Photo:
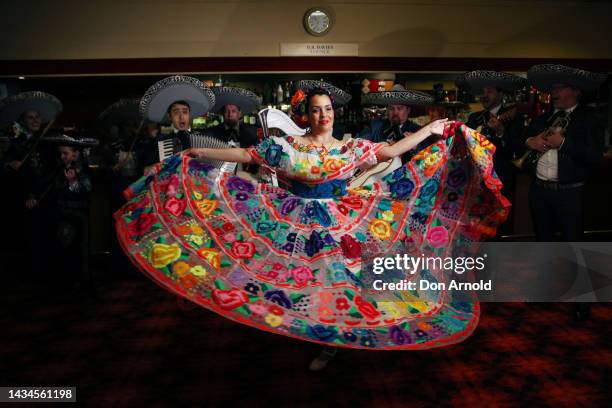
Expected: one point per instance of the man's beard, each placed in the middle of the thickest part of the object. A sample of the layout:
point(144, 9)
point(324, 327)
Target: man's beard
point(395, 120)
point(231, 123)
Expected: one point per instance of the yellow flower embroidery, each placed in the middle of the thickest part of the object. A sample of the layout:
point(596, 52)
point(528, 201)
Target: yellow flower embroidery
point(380, 228)
point(199, 270)
point(387, 215)
point(196, 239)
point(390, 309)
point(274, 320)
point(197, 196)
point(163, 255)
point(432, 159)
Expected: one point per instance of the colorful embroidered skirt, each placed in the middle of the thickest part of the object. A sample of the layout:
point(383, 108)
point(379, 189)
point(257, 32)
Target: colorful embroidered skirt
point(296, 266)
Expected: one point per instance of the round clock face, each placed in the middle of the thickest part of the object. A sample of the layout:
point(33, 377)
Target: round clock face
point(317, 21)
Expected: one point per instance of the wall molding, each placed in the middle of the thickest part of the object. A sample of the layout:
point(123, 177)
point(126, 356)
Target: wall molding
point(145, 66)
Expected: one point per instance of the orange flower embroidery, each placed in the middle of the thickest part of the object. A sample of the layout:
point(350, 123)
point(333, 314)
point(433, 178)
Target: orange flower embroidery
point(380, 228)
point(180, 268)
point(211, 256)
point(332, 165)
point(206, 207)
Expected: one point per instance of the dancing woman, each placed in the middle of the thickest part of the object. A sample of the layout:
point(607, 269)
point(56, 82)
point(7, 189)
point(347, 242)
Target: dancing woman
point(296, 260)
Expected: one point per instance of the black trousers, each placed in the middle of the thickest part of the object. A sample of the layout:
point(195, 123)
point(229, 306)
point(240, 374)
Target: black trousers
point(553, 210)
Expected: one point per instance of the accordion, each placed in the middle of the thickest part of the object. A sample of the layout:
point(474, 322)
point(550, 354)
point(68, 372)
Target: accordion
point(171, 146)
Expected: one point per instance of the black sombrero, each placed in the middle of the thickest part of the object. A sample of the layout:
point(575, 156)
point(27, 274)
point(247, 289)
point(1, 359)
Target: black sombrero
point(544, 76)
point(155, 102)
point(340, 97)
point(47, 105)
point(397, 96)
point(246, 100)
point(73, 141)
point(122, 111)
point(474, 81)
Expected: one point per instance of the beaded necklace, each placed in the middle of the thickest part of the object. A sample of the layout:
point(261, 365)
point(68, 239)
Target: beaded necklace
point(321, 150)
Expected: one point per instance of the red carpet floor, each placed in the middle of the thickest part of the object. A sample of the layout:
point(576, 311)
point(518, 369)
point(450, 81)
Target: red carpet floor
point(134, 347)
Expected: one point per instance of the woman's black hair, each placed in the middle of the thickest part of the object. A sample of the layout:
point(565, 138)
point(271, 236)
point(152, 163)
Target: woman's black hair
point(314, 92)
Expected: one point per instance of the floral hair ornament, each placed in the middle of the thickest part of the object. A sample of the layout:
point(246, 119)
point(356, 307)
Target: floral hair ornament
point(298, 108)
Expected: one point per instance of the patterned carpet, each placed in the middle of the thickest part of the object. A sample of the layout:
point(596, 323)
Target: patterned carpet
point(134, 346)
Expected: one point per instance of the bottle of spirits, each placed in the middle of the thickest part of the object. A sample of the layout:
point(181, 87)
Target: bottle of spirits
point(280, 95)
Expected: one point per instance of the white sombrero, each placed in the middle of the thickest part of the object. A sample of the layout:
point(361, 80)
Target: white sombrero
point(12, 107)
point(155, 102)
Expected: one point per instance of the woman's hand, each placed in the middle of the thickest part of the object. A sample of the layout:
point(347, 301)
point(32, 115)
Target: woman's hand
point(198, 153)
point(437, 126)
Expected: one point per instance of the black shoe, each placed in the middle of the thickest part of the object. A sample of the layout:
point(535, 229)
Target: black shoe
point(322, 359)
point(582, 311)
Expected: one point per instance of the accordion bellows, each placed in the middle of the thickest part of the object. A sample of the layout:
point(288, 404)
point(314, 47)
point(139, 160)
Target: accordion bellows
point(167, 148)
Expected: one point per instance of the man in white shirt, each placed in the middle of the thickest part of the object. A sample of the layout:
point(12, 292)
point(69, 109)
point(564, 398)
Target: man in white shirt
point(566, 142)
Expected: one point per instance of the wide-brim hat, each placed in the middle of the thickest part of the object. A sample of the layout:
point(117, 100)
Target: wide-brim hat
point(47, 105)
point(123, 111)
point(544, 76)
point(397, 96)
point(246, 100)
point(340, 97)
point(73, 141)
point(474, 81)
point(155, 102)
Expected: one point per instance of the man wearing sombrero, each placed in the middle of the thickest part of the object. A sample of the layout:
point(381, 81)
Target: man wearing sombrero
point(67, 192)
point(26, 163)
point(232, 103)
point(27, 112)
point(397, 125)
point(500, 123)
point(565, 143)
point(177, 100)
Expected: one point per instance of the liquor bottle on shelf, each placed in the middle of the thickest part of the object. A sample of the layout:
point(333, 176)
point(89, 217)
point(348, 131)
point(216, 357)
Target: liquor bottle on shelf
point(267, 95)
point(287, 93)
point(280, 95)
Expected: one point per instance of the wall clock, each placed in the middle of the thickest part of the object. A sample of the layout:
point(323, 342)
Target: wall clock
point(317, 21)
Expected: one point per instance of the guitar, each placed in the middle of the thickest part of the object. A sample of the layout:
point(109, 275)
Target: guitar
point(377, 172)
point(504, 117)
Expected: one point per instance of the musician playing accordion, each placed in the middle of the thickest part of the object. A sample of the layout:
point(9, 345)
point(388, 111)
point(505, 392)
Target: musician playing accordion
point(176, 99)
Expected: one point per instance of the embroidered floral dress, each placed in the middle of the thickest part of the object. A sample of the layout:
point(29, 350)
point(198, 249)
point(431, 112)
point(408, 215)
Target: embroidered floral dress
point(296, 259)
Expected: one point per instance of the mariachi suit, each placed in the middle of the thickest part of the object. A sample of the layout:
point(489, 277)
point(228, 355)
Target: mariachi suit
point(244, 136)
point(32, 177)
point(382, 131)
point(507, 146)
point(559, 202)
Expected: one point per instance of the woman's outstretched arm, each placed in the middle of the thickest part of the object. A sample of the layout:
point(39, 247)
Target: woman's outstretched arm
point(410, 142)
point(232, 154)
